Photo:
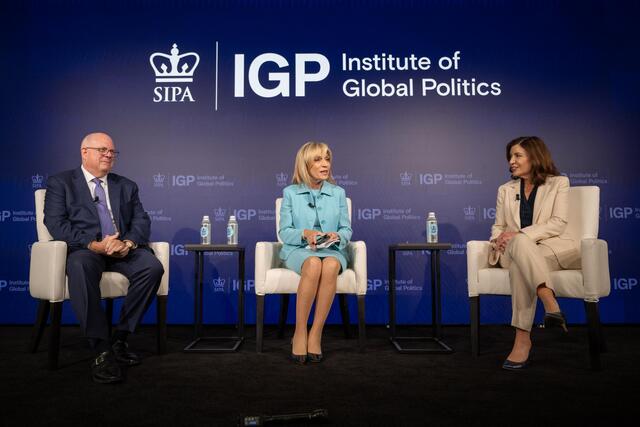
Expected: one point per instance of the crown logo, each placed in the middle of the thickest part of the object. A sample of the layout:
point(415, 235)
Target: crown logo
point(405, 178)
point(181, 69)
point(469, 213)
point(37, 180)
point(281, 179)
point(158, 180)
point(218, 284)
point(219, 213)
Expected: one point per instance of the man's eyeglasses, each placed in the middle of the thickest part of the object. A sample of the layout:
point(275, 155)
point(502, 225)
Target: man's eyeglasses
point(104, 150)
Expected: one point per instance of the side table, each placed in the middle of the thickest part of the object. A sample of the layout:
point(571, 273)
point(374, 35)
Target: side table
point(436, 307)
point(199, 251)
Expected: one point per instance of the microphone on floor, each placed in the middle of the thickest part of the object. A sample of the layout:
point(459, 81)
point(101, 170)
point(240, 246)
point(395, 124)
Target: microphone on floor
point(260, 420)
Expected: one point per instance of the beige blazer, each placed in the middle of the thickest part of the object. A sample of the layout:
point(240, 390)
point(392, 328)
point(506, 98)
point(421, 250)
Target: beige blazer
point(550, 213)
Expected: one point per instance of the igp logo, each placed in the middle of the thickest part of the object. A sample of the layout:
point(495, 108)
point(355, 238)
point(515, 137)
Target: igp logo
point(624, 212)
point(369, 213)
point(301, 77)
point(430, 178)
point(625, 283)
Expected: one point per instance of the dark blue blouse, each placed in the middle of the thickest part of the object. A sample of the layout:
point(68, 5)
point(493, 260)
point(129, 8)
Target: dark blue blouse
point(526, 206)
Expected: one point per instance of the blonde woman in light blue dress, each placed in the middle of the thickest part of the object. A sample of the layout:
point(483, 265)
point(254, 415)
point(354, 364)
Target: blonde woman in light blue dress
point(312, 207)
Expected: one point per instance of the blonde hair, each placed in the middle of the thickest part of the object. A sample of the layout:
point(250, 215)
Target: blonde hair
point(304, 159)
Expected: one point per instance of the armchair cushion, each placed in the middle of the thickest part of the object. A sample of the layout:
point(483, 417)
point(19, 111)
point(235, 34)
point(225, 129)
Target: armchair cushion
point(270, 278)
point(595, 269)
point(48, 280)
point(285, 281)
point(47, 277)
point(162, 252)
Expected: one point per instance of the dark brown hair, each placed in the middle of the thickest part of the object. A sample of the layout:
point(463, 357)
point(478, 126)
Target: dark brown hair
point(542, 164)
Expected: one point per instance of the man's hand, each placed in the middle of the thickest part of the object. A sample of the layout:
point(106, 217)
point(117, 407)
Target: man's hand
point(123, 253)
point(110, 246)
point(113, 245)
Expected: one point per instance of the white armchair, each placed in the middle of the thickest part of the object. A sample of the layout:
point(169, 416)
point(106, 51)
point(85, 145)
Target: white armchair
point(589, 284)
point(272, 278)
point(48, 283)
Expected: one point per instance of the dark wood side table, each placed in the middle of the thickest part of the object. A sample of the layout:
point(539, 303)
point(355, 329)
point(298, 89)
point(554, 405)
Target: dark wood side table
point(436, 304)
point(193, 346)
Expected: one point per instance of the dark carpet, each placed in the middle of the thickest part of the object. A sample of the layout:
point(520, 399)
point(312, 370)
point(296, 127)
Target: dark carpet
point(379, 387)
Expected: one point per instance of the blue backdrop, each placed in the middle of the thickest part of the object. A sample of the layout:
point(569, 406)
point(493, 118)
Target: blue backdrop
point(427, 137)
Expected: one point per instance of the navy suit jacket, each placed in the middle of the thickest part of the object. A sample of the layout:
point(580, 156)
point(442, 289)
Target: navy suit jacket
point(70, 213)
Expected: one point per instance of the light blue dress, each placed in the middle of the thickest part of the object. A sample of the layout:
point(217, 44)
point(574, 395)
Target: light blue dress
point(329, 213)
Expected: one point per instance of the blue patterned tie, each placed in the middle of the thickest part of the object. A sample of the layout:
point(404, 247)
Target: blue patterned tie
point(106, 223)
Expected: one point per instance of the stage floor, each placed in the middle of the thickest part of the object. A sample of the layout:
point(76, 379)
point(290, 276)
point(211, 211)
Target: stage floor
point(378, 387)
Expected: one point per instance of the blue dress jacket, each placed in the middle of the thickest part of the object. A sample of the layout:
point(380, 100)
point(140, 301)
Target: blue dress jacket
point(71, 215)
point(296, 215)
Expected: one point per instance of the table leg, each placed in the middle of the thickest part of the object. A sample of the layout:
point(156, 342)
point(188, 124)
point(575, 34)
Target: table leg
point(196, 281)
point(439, 298)
point(241, 294)
point(392, 293)
point(200, 292)
point(434, 294)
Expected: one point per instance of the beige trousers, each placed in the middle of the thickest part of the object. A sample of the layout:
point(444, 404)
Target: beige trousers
point(529, 266)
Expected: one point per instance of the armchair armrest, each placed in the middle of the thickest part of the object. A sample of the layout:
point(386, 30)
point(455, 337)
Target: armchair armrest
point(477, 259)
point(267, 256)
point(595, 269)
point(47, 272)
point(162, 252)
point(358, 261)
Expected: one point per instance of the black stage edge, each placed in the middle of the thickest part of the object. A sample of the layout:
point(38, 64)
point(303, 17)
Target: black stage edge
point(380, 387)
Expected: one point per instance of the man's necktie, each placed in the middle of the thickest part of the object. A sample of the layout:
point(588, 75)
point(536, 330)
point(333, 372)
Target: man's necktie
point(103, 210)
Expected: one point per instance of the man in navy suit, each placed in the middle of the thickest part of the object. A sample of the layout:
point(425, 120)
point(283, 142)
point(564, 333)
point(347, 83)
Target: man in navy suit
point(100, 217)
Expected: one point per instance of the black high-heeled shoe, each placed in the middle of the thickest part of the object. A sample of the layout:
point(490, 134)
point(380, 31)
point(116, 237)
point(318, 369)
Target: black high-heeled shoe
point(315, 357)
point(556, 319)
point(300, 359)
point(515, 366)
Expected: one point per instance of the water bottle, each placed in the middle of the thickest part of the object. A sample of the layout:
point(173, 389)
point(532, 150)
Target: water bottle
point(205, 231)
point(232, 231)
point(432, 228)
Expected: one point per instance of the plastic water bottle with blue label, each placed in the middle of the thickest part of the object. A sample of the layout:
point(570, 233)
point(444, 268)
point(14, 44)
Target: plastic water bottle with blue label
point(205, 231)
point(232, 231)
point(432, 228)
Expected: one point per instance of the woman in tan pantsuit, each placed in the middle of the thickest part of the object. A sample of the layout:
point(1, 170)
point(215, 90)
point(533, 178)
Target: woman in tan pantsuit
point(528, 238)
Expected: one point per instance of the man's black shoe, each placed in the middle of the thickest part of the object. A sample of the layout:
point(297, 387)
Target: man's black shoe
point(123, 355)
point(105, 369)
